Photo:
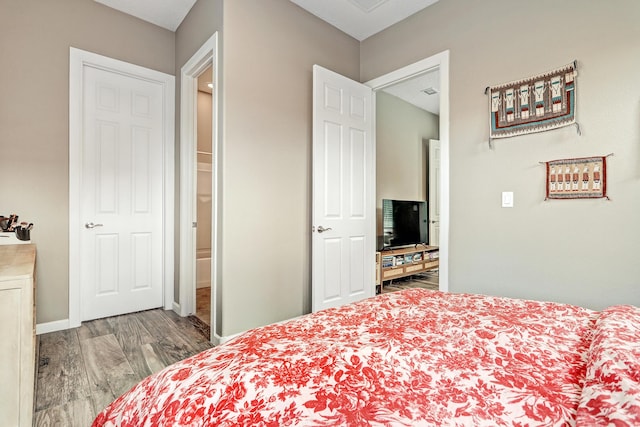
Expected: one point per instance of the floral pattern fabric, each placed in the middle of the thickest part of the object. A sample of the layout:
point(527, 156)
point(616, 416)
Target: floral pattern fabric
point(611, 395)
point(409, 358)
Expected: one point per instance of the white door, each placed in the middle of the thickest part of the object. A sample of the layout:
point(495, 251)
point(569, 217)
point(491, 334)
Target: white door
point(343, 212)
point(121, 194)
point(434, 192)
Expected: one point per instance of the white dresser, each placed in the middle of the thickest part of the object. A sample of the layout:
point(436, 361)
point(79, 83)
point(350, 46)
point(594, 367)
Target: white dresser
point(17, 334)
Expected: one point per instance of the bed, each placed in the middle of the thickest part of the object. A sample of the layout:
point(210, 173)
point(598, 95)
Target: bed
point(409, 358)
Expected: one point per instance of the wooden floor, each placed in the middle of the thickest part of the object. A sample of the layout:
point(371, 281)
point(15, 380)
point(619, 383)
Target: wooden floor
point(82, 370)
point(203, 304)
point(426, 280)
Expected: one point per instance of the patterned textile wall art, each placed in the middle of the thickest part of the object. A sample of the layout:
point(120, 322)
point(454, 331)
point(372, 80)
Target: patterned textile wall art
point(584, 178)
point(536, 104)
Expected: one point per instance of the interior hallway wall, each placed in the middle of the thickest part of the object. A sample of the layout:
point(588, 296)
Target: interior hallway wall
point(401, 151)
point(270, 47)
point(204, 170)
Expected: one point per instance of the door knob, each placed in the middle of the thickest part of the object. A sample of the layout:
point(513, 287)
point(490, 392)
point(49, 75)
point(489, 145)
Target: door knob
point(321, 229)
point(92, 225)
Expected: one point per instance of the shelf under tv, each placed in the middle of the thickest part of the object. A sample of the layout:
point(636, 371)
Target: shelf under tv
point(415, 259)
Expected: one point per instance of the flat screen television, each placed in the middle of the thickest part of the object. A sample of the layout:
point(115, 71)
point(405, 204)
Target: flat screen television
point(404, 223)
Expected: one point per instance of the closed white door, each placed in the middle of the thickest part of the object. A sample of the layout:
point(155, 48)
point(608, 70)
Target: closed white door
point(343, 213)
point(434, 192)
point(121, 194)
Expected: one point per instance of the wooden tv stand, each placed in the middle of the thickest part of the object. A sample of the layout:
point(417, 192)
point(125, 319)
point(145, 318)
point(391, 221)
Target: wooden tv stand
point(396, 263)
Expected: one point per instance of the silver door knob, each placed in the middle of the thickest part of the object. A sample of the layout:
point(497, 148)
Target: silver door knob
point(321, 229)
point(92, 225)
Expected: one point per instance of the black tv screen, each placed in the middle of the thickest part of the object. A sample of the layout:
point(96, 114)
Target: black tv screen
point(404, 223)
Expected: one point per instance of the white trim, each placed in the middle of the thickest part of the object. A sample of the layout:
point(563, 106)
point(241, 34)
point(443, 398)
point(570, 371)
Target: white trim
point(440, 61)
point(217, 339)
point(78, 59)
point(55, 326)
point(177, 309)
point(205, 56)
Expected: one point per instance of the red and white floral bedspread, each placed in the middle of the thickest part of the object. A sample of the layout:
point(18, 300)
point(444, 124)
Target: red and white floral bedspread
point(410, 358)
point(611, 394)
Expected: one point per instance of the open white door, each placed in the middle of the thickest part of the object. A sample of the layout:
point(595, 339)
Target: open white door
point(343, 218)
point(434, 192)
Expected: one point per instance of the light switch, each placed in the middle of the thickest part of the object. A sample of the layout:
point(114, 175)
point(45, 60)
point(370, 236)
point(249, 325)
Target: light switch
point(507, 199)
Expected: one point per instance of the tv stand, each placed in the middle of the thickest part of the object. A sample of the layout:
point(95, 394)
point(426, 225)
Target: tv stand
point(402, 262)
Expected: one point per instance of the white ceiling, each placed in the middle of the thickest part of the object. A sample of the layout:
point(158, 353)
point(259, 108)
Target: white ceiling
point(358, 18)
point(411, 91)
point(363, 18)
point(164, 13)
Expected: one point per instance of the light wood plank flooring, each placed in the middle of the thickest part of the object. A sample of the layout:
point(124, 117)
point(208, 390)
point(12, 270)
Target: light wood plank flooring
point(82, 370)
point(426, 280)
point(203, 304)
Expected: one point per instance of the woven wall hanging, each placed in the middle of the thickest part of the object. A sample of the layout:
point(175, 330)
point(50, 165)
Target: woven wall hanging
point(583, 178)
point(536, 104)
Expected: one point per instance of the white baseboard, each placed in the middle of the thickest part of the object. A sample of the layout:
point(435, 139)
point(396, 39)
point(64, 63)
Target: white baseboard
point(58, 325)
point(177, 308)
point(217, 339)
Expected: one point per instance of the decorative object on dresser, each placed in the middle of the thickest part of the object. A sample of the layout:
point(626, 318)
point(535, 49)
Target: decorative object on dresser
point(17, 334)
point(13, 232)
point(536, 104)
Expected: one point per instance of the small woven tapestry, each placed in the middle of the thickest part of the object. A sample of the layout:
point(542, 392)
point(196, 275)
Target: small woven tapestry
point(536, 104)
point(584, 178)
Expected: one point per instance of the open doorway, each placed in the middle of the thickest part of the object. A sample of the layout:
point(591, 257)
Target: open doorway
point(407, 129)
point(204, 193)
point(413, 75)
point(199, 180)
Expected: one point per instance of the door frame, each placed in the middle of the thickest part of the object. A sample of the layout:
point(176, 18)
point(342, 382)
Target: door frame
point(206, 55)
point(441, 62)
point(431, 188)
point(78, 59)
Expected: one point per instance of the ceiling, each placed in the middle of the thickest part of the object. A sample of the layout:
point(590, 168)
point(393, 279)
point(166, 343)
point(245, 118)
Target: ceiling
point(164, 13)
point(413, 91)
point(358, 18)
point(205, 79)
point(363, 18)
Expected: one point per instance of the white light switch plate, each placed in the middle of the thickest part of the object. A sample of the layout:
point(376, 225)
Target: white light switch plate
point(507, 199)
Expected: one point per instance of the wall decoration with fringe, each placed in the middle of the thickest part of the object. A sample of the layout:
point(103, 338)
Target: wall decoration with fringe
point(582, 178)
point(536, 104)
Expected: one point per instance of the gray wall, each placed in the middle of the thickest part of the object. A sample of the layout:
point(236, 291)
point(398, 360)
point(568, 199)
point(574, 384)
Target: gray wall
point(35, 37)
point(270, 47)
point(402, 151)
point(576, 251)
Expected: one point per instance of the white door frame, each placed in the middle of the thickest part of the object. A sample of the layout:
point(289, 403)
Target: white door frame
point(433, 190)
point(440, 61)
point(78, 59)
point(205, 56)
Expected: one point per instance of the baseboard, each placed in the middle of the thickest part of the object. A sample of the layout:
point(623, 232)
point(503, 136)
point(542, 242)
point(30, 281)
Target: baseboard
point(61, 325)
point(58, 325)
point(217, 339)
point(177, 309)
